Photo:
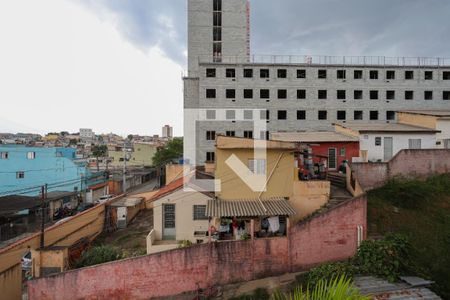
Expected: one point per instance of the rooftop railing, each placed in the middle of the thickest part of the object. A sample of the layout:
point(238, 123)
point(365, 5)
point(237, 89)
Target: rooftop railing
point(330, 60)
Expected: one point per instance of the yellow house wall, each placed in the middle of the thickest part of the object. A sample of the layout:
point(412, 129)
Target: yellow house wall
point(11, 283)
point(346, 131)
point(308, 197)
point(232, 187)
point(184, 222)
point(49, 259)
point(141, 156)
point(417, 120)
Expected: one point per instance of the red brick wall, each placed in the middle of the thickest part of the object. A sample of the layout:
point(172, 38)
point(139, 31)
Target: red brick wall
point(421, 162)
point(330, 236)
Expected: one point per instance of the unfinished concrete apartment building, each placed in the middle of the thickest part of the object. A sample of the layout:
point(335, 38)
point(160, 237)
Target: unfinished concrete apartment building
point(293, 93)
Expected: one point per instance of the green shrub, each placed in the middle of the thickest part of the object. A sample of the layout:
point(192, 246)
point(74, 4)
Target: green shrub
point(337, 288)
point(184, 244)
point(328, 271)
point(386, 258)
point(98, 255)
point(258, 294)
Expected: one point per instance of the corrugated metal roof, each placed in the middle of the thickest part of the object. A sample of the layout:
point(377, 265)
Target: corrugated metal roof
point(249, 208)
point(312, 137)
point(383, 290)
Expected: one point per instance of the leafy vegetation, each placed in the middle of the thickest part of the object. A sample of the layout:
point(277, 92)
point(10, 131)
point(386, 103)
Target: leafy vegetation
point(258, 294)
point(172, 150)
point(99, 151)
point(98, 255)
point(420, 210)
point(184, 244)
point(337, 288)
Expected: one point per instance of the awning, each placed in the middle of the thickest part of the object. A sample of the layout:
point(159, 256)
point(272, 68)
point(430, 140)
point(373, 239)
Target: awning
point(249, 208)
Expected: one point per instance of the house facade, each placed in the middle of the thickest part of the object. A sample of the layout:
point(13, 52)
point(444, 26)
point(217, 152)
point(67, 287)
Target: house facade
point(381, 142)
point(140, 155)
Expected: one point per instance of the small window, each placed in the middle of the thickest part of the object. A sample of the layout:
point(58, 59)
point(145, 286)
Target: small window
point(322, 94)
point(341, 115)
point(282, 115)
point(409, 95)
point(378, 141)
point(210, 156)
point(342, 152)
point(322, 74)
point(446, 95)
point(358, 115)
point(248, 73)
point(340, 74)
point(210, 93)
point(217, 5)
point(357, 94)
point(358, 74)
point(4, 155)
point(230, 73)
point(390, 115)
point(282, 94)
point(409, 75)
point(373, 95)
point(373, 115)
point(210, 135)
point(248, 94)
point(301, 94)
point(210, 72)
point(415, 143)
point(217, 18)
point(264, 94)
point(301, 73)
point(230, 133)
point(264, 114)
point(31, 155)
point(248, 115)
point(210, 114)
point(446, 75)
point(230, 114)
point(390, 74)
point(248, 134)
point(428, 75)
point(230, 93)
point(20, 175)
point(322, 115)
point(373, 74)
point(217, 34)
point(282, 73)
point(199, 212)
point(428, 95)
point(390, 95)
point(264, 73)
point(301, 114)
point(341, 94)
point(257, 166)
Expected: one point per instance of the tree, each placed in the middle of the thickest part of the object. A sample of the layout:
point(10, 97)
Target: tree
point(172, 150)
point(130, 137)
point(98, 255)
point(99, 151)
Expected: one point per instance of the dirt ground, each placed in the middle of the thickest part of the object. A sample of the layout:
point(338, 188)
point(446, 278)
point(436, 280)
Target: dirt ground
point(131, 240)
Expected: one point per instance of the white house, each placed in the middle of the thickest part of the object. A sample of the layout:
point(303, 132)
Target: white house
point(380, 142)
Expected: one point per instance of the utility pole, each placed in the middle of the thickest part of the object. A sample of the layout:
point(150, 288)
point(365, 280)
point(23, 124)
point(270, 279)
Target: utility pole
point(124, 179)
point(43, 197)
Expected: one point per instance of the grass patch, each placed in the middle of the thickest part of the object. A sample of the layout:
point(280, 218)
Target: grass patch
point(420, 210)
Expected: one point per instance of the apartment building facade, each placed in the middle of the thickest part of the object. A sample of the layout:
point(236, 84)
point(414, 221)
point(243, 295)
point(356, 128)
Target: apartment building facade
point(293, 93)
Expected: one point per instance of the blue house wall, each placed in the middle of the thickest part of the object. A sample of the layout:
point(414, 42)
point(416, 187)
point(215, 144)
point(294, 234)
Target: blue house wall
point(53, 166)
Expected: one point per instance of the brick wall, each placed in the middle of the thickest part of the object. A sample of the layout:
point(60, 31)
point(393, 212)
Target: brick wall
point(327, 237)
point(407, 163)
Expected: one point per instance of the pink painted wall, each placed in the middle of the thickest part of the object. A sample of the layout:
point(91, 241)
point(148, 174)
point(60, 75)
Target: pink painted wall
point(420, 162)
point(328, 237)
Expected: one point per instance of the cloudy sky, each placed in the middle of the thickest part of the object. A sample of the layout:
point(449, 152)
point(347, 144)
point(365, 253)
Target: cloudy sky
point(116, 65)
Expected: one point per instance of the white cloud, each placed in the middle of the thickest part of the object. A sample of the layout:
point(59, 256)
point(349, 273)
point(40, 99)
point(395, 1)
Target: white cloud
point(62, 68)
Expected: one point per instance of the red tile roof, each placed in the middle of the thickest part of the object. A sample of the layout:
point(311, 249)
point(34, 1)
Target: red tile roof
point(171, 187)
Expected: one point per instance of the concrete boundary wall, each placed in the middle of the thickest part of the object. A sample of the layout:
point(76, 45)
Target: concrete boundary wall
point(406, 163)
point(326, 237)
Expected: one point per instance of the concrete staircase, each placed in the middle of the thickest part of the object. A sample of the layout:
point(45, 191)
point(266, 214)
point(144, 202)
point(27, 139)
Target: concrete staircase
point(337, 179)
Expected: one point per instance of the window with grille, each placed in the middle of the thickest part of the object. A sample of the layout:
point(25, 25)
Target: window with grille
point(373, 115)
point(230, 133)
point(230, 73)
point(4, 155)
point(357, 94)
point(264, 94)
point(301, 73)
point(31, 155)
point(357, 74)
point(282, 115)
point(373, 74)
point(282, 73)
point(230, 93)
point(301, 94)
point(409, 75)
point(282, 94)
point(390, 74)
point(415, 143)
point(257, 166)
point(210, 135)
point(210, 156)
point(340, 74)
point(248, 134)
point(248, 73)
point(199, 212)
point(248, 94)
point(322, 74)
point(20, 175)
point(390, 95)
point(210, 72)
point(341, 94)
point(264, 73)
point(409, 95)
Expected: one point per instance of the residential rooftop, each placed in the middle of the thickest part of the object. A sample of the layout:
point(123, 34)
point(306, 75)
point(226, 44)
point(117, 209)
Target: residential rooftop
point(434, 113)
point(385, 127)
point(226, 142)
point(312, 137)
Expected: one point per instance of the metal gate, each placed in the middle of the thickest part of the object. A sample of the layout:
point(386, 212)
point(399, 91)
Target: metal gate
point(332, 163)
point(388, 148)
point(169, 232)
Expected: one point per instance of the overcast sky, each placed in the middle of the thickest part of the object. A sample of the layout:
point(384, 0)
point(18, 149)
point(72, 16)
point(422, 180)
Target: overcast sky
point(116, 65)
